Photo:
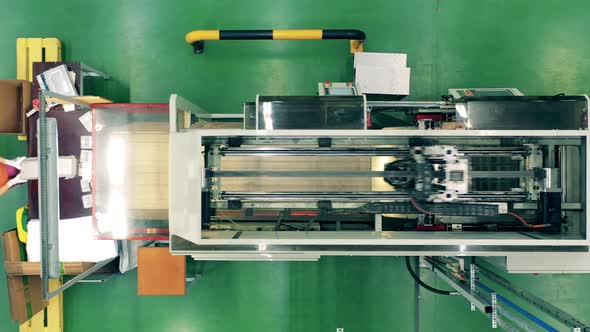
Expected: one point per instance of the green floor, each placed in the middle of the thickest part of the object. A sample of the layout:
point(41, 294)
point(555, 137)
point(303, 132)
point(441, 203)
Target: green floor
point(539, 47)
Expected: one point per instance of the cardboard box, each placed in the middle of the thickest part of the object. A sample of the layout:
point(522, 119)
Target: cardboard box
point(15, 102)
point(160, 273)
point(24, 292)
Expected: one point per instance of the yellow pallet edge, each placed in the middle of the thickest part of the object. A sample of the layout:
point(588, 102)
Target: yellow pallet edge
point(30, 50)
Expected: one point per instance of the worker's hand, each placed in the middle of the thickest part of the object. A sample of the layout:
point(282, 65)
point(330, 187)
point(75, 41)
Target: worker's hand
point(14, 162)
point(16, 180)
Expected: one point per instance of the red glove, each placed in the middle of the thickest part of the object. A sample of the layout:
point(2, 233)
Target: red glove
point(36, 104)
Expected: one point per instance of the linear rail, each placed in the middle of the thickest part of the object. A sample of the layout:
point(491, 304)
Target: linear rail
point(367, 195)
point(359, 151)
point(331, 174)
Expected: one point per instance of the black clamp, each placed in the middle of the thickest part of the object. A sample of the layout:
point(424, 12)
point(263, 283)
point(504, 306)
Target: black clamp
point(421, 141)
point(199, 47)
point(234, 204)
point(447, 98)
point(234, 141)
point(325, 142)
point(539, 173)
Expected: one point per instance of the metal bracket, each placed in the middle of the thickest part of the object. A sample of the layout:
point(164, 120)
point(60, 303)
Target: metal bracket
point(98, 278)
point(378, 222)
point(48, 295)
point(472, 283)
point(191, 281)
point(494, 311)
point(479, 303)
point(92, 72)
point(533, 161)
point(214, 184)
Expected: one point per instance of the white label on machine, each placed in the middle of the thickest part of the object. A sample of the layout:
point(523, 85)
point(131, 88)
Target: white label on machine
point(86, 142)
point(87, 201)
point(86, 156)
point(85, 171)
point(85, 185)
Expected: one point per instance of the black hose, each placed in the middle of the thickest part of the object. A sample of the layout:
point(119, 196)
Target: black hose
point(343, 34)
point(421, 283)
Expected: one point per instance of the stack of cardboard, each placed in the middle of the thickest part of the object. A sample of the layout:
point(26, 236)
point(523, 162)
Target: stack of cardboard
point(24, 281)
point(15, 102)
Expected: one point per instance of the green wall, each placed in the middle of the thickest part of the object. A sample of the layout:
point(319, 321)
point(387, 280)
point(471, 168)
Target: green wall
point(540, 47)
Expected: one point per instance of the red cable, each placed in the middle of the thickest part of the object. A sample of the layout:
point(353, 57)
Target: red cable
point(417, 207)
point(524, 222)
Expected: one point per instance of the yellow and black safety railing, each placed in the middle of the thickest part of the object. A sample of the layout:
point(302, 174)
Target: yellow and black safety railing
point(197, 38)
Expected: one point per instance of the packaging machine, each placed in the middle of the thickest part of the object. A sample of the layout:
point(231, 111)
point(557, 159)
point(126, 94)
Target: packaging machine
point(312, 176)
point(295, 178)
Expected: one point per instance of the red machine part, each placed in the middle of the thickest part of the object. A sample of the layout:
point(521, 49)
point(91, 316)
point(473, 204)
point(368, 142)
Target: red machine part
point(430, 116)
point(430, 228)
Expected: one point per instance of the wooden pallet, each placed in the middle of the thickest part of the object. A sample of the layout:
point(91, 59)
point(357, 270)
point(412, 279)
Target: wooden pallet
point(29, 50)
